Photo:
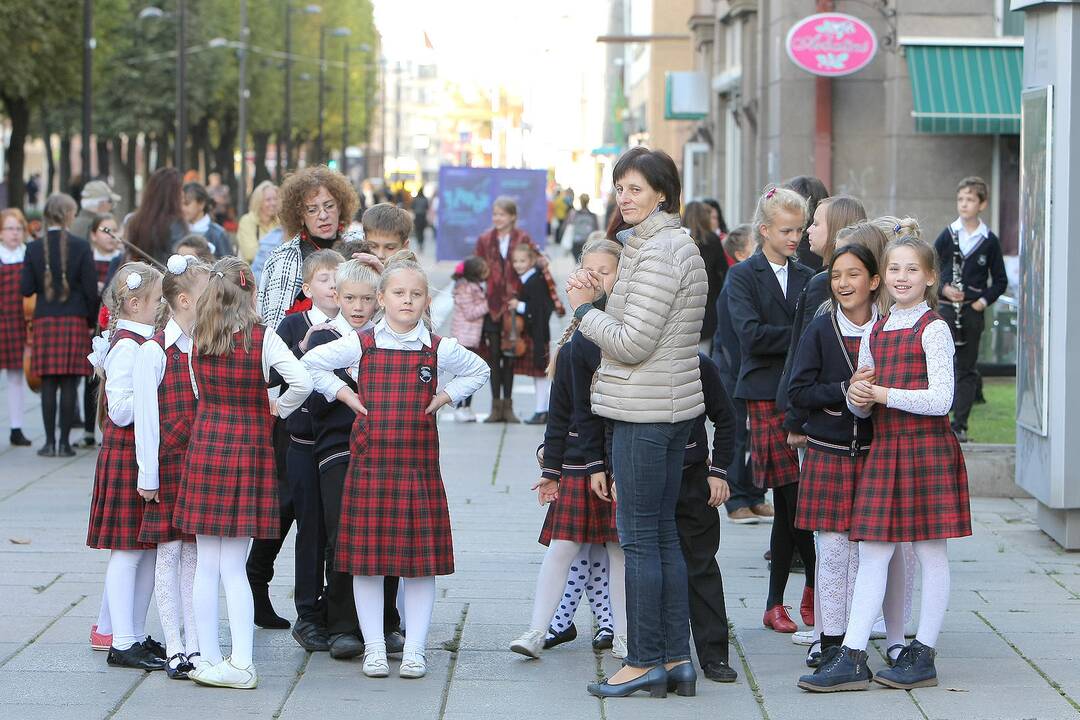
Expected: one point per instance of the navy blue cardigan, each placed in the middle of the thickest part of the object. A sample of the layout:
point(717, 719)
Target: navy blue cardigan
point(983, 271)
point(574, 438)
point(719, 410)
point(331, 421)
point(818, 385)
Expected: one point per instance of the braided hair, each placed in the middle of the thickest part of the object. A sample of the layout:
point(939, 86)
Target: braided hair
point(60, 209)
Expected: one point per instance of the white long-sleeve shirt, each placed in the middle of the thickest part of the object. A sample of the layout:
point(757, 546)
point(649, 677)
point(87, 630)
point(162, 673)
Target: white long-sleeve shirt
point(147, 376)
point(277, 355)
point(119, 366)
point(937, 343)
point(469, 370)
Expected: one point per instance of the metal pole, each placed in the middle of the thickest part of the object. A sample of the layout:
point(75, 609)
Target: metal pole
point(287, 130)
point(345, 114)
point(87, 85)
point(245, 34)
point(181, 81)
point(322, 92)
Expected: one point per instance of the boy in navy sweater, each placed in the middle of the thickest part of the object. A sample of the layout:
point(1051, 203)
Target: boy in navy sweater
point(968, 244)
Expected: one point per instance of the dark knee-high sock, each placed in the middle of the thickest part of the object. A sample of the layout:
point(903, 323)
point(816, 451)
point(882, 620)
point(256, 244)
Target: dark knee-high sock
point(49, 386)
point(782, 546)
point(69, 395)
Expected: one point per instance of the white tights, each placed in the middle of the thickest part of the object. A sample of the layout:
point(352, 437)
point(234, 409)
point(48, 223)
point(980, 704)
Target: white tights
point(878, 564)
point(129, 584)
point(15, 396)
point(174, 577)
point(542, 385)
point(223, 560)
point(552, 579)
point(419, 602)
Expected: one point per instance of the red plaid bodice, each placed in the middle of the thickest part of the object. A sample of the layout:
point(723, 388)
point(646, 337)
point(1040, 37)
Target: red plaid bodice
point(176, 400)
point(232, 393)
point(396, 386)
point(113, 435)
point(11, 302)
point(851, 344)
point(101, 267)
point(900, 362)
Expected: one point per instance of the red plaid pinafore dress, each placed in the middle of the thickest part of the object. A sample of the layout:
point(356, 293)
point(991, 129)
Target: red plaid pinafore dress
point(116, 510)
point(914, 485)
point(12, 321)
point(775, 463)
point(578, 515)
point(394, 517)
point(176, 414)
point(229, 486)
point(827, 480)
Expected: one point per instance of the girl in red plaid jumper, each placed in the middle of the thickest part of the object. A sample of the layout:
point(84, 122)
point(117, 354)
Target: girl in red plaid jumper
point(164, 412)
point(394, 516)
point(116, 511)
point(13, 235)
point(914, 484)
point(228, 492)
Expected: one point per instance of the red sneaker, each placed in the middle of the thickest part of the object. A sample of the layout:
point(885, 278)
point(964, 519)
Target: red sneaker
point(99, 641)
point(777, 618)
point(806, 607)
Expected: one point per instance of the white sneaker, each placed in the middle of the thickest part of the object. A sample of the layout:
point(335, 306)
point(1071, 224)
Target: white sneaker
point(413, 665)
point(618, 647)
point(376, 664)
point(200, 664)
point(465, 415)
point(878, 633)
point(226, 675)
point(803, 637)
point(530, 644)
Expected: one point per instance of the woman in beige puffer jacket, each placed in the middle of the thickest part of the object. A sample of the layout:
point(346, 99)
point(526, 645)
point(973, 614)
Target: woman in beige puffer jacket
point(649, 385)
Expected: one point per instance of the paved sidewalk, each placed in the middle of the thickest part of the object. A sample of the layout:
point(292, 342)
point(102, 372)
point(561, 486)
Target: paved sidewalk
point(1010, 649)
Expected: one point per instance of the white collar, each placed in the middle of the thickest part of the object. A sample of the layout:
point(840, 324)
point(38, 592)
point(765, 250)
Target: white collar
point(420, 332)
point(147, 331)
point(916, 311)
point(981, 231)
point(776, 268)
point(341, 324)
point(10, 257)
point(173, 333)
point(104, 257)
point(851, 329)
point(317, 316)
point(201, 225)
point(528, 274)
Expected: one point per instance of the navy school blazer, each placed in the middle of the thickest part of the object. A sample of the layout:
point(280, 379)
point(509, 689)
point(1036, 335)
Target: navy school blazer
point(762, 316)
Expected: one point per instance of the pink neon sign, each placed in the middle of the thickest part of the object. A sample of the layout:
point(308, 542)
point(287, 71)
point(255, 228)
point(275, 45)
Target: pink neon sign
point(831, 44)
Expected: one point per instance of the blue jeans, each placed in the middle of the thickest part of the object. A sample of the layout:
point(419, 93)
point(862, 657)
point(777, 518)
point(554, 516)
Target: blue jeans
point(647, 463)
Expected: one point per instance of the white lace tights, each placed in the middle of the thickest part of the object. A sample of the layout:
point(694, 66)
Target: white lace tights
point(174, 578)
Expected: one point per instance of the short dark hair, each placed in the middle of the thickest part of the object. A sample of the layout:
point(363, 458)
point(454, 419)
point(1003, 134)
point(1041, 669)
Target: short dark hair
point(975, 184)
point(197, 191)
point(387, 219)
point(658, 169)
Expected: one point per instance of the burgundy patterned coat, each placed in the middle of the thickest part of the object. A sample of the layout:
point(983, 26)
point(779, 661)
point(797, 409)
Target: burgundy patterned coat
point(116, 510)
point(176, 414)
point(914, 484)
point(394, 517)
point(229, 486)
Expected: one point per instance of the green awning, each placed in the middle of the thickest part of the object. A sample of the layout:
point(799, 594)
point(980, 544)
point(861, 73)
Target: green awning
point(966, 89)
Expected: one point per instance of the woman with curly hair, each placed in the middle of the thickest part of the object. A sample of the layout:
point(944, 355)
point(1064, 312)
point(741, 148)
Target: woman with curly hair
point(317, 204)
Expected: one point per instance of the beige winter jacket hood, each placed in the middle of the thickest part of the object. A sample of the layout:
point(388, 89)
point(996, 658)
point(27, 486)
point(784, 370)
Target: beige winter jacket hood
point(650, 330)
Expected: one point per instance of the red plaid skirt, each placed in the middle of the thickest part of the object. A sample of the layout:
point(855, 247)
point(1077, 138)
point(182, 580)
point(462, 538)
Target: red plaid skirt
point(775, 463)
point(157, 526)
point(827, 490)
point(61, 345)
point(579, 515)
point(229, 486)
point(12, 322)
point(394, 516)
point(116, 510)
point(526, 364)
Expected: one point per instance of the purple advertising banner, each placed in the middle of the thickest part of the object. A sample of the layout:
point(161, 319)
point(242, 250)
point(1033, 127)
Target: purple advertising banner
point(466, 195)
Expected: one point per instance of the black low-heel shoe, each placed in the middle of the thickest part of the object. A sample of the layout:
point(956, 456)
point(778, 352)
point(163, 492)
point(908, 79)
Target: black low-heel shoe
point(47, 450)
point(18, 439)
point(154, 647)
point(64, 450)
point(655, 681)
point(136, 657)
point(558, 638)
point(682, 680)
point(177, 667)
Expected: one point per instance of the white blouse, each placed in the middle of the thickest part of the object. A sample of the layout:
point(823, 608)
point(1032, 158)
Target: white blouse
point(10, 256)
point(147, 376)
point(937, 343)
point(469, 370)
point(119, 373)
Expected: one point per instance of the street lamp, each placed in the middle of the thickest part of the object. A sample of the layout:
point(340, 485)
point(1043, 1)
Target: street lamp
point(155, 13)
point(287, 131)
point(364, 48)
point(336, 32)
